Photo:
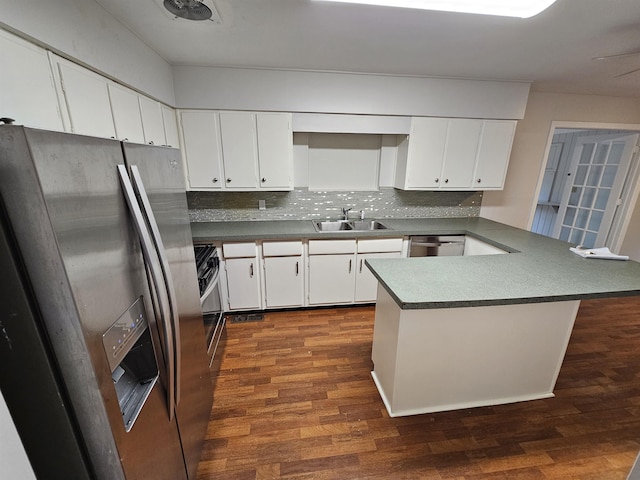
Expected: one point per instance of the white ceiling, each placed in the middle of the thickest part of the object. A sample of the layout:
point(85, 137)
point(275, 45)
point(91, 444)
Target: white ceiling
point(553, 49)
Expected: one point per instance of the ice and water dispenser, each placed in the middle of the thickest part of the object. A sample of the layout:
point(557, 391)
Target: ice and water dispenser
point(132, 361)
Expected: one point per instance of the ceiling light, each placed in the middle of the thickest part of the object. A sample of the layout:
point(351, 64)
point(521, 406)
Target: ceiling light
point(508, 8)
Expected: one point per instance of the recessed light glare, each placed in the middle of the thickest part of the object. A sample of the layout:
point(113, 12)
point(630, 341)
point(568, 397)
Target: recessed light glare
point(507, 8)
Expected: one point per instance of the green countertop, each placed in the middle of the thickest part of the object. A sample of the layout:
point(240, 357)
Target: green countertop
point(538, 269)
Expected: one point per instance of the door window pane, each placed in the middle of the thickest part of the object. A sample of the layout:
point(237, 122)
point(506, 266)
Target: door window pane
point(587, 152)
point(564, 234)
point(581, 174)
point(576, 237)
point(595, 220)
point(575, 196)
point(587, 197)
point(594, 176)
point(602, 198)
point(581, 218)
point(569, 216)
point(609, 176)
point(616, 154)
point(589, 240)
point(601, 154)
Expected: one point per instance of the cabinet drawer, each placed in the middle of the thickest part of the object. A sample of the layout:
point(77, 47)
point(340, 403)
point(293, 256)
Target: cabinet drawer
point(239, 250)
point(281, 249)
point(380, 245)
point(319, 247)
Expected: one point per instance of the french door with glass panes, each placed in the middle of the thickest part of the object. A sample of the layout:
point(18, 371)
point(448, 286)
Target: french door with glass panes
point(598, 169)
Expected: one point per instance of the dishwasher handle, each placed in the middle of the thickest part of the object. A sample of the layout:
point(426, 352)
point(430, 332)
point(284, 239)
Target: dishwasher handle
point(437, 244)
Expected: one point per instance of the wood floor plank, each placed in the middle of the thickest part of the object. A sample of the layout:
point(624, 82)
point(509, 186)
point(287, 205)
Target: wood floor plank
point(295, 400)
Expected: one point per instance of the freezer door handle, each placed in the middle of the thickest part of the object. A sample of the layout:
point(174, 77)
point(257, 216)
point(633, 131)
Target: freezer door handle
point(153, 264)
point(138, 185)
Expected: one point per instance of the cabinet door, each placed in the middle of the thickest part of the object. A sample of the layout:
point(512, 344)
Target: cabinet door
point(425, 152)
point(331, 279)
point(493, 153)
point(87, 100)
point(202, 150)
point(126, 114)
point(28, 92)
point(239, 152)
point(152, 122)
point(243, 283)
point(275, 150)
point(284, 281)
point(460, 153)
point(170, 127)
point(366, 283)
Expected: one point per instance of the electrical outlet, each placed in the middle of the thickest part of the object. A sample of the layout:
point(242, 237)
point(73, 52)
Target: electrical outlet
point(262, 205)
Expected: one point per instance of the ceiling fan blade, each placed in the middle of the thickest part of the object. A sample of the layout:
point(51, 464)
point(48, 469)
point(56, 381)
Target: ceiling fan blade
point(628, 73)
point(619, 55)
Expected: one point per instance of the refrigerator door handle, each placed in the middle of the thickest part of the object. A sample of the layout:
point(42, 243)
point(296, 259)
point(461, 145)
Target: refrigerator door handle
point(153, 263)
point(166, 272)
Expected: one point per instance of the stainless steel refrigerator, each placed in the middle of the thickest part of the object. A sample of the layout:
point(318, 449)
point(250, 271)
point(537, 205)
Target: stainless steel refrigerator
point(104, 365)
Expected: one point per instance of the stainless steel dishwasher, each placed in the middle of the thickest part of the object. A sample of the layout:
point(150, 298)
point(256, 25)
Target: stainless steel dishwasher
point(436, 245)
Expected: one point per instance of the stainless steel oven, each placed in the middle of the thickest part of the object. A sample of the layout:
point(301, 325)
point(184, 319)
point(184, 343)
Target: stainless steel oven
point(208, 266)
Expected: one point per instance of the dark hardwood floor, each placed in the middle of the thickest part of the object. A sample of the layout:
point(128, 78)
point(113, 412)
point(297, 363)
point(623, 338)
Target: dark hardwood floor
point(295, 400)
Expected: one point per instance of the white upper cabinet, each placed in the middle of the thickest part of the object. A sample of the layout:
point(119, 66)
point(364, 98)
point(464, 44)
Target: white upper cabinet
point(87, 100)
point(202, 149)
point(493, 153)
point(28, 93)
point(170, 127)
point(126, 114)
point(454, 154)
point(152, 121)
point(275, 152)
point(240, 151)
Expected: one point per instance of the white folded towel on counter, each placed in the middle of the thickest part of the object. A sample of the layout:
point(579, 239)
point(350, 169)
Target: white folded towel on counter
point(603, 253)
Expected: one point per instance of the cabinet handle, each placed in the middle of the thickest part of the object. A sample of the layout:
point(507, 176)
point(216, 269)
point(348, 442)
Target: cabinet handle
point(297, 268)
point(215, 180)
point(361, 261)
point(228, 180)
point(437, 180)
point(263, 180)
point(251, 270)
point(479, 180)
point(350, 261)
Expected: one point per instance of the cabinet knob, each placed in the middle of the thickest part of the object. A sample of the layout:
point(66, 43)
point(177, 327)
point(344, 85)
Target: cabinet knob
point(263, 180)
point(228, 180)
point(151, 142)
point(437, 180)
point(446, 180)
point(479, 180)
point(215, 180)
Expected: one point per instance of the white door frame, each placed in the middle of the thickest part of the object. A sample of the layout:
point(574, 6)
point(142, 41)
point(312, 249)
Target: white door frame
point(635, 189)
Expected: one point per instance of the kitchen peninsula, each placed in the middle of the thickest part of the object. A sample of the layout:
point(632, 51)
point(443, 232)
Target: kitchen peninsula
point(460, 332)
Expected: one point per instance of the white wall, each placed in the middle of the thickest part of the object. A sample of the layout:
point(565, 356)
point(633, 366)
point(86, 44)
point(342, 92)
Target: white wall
point(513, 205)
point(330, 92)
point(13, 458)
point(83, 31)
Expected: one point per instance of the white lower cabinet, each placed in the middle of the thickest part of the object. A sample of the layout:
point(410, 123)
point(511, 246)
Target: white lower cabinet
point(283, 274)
point(337, 270)
point(243, 276)
point(366, 283)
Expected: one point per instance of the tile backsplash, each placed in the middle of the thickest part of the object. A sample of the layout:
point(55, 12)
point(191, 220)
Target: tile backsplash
point(302, 204)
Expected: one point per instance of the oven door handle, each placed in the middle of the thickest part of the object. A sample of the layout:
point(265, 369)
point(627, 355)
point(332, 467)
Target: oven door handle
point(166, 273)
point(153, 263)
point(210, 287)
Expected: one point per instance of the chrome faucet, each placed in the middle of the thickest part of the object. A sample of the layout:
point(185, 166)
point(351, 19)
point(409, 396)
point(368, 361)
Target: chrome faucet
point(345, 213)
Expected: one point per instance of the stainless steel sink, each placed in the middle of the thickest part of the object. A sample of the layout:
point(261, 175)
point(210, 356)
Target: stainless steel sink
point(344, 225)
point(332, 226)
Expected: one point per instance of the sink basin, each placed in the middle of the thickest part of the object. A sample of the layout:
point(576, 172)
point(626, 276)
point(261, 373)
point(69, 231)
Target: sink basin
point(330, 226)
point(368, 225)
point(344, 225)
